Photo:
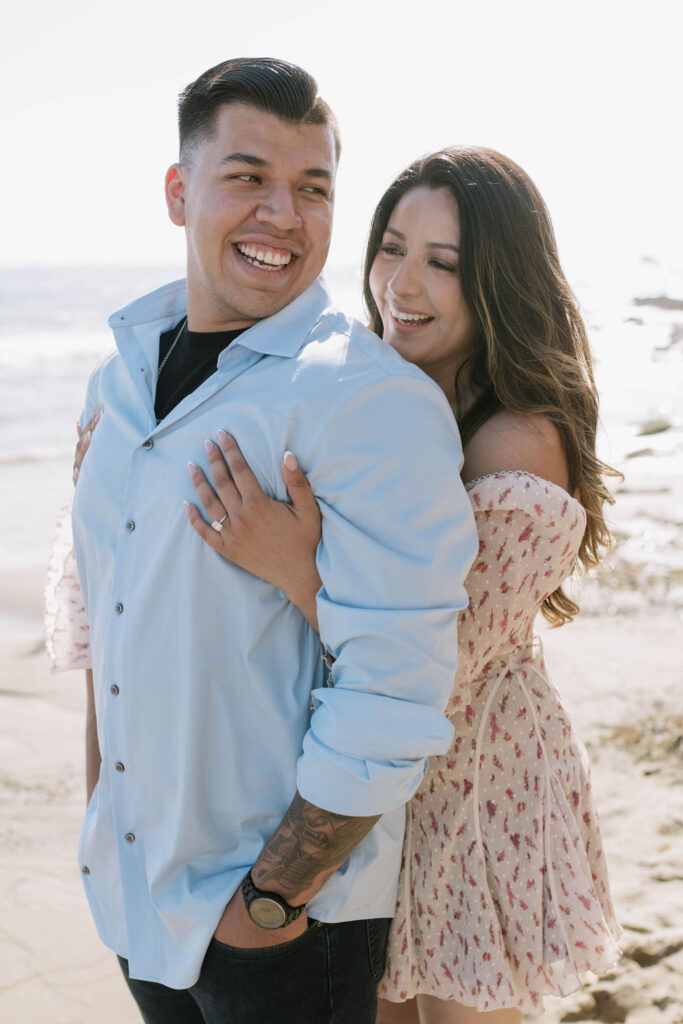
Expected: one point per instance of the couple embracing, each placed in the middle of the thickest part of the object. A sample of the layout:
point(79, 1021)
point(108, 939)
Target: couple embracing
point(271, 835)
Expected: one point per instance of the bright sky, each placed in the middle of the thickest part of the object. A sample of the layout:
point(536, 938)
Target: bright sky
point(584, 95)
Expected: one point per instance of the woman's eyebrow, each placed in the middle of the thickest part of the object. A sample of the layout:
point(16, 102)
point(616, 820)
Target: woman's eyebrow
point(443, 245)
point(430, 245)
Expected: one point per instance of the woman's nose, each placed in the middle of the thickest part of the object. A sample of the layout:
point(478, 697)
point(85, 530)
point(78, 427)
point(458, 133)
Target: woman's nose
point(406, 280)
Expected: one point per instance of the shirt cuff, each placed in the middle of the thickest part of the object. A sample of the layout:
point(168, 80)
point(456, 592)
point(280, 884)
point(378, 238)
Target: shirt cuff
point(360, 787)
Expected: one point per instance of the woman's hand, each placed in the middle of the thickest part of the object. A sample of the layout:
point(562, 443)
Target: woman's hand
point(271, 539)
point(83, 444)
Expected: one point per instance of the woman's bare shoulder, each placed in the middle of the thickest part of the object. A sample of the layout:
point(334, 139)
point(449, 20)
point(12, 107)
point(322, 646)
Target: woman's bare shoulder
point(515, 441)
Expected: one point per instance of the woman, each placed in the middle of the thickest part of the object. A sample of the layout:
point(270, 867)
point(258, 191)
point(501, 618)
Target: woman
point(503, 893)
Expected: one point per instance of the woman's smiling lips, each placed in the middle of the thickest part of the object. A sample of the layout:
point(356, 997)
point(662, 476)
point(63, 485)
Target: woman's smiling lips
point(264, 257)
point(409, 320)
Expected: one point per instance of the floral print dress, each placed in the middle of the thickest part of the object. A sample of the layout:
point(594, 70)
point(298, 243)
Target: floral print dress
point(67, 633)
point(503, 892)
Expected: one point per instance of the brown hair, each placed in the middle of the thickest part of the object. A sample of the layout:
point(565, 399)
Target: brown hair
point(531, 351)
point(271, 85)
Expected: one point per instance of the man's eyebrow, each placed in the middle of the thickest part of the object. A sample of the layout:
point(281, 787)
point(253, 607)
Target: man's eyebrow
point(257, 161)
point(245, 158)
point(430, 245)
point(318, 172)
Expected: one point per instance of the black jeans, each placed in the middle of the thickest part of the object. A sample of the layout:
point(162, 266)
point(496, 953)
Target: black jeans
point(328, 975)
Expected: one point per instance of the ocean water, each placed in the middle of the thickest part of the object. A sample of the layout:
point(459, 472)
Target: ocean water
point(53, 330)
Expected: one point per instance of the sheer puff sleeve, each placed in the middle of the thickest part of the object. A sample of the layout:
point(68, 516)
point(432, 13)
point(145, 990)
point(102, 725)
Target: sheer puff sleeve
point(67, 633)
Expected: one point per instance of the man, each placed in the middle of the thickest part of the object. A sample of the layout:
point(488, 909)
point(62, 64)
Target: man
point(241, 848)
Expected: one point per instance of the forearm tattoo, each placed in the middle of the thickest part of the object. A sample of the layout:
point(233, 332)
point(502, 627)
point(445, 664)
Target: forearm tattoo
point(308, 846)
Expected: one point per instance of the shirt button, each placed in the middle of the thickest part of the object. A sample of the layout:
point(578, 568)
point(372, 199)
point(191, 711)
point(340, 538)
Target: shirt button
point(120, 766)
point(129, 837)
point(148, 444)
point(130, 526)
point(114, 689)
point(85, 870)
point(118, 608)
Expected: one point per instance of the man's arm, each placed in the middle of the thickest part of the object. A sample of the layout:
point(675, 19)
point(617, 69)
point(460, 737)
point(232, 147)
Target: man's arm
point(398, 538)
point(308, 846)
point(93, 758)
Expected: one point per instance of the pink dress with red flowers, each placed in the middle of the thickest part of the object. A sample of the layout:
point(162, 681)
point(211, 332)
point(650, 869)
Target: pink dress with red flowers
point(67, 633)
point(503, 892)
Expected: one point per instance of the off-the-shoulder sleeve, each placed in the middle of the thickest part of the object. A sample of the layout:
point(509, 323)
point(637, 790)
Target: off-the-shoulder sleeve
point(67, 633)
point(529, 534)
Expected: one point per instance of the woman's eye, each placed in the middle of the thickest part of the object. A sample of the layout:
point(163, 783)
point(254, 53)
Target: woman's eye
point(441, 265)
point(390, 249)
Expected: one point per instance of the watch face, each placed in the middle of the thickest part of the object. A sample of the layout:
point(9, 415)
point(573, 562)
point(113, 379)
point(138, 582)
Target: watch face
point(267, 913)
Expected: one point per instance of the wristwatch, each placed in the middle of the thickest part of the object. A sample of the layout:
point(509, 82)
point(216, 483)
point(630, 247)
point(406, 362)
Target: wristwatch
point(267, 909)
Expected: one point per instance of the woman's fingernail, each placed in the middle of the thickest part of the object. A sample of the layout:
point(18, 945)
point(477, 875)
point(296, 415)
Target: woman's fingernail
point(75, 472)
point(187, 506)
point(209, 445)
point(192, 468)
point(86, 439)
point(223, 437)
point(290, 460)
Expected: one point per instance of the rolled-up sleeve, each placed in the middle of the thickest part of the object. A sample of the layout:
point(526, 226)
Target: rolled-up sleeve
point(398, 539)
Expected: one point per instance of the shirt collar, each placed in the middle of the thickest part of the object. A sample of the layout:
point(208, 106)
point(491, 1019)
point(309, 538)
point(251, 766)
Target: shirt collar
point(281, 334)
point(166, 302)
point(284, 333)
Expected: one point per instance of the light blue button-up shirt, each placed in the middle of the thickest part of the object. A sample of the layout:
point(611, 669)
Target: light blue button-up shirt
point(211, 709)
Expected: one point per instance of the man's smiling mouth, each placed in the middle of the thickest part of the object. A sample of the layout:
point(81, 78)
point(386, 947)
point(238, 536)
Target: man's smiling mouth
point(265, 259)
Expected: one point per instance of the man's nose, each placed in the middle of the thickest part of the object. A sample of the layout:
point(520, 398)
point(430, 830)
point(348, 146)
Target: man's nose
point(406, 280)
point(279, 209)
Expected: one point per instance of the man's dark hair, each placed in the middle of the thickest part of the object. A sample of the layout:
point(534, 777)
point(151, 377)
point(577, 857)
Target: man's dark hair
point(268, 84)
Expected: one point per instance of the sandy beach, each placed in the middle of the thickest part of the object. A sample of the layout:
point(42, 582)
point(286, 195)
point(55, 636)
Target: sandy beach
point(53, 967)
point(620, 675)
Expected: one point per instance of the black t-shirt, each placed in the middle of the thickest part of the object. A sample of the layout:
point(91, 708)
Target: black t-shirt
point(191, 362)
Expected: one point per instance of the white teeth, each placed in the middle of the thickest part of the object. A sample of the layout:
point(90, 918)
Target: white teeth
point(273, 260)
point(409, 318)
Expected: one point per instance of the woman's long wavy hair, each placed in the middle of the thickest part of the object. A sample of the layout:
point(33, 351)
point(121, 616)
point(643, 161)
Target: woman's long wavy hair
point(531, 351)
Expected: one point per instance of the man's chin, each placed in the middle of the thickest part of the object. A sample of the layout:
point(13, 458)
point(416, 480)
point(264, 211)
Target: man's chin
point(233, 305)
point(258, 303)
point(255, 311)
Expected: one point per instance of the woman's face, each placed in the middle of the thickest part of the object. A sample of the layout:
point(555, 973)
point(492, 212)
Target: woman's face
point(415, 282)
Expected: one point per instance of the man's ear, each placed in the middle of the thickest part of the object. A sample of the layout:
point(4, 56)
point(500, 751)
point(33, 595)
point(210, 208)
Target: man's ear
point(175, 193)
